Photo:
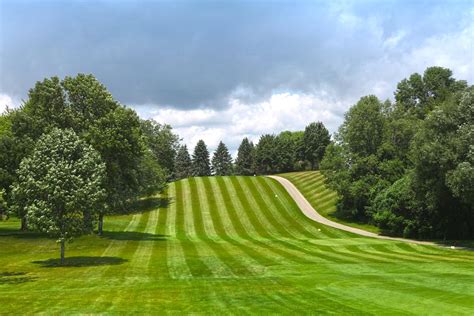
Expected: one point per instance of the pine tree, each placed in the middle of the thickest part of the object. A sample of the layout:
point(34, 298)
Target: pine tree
point(200, 164)
point(222, 161)
point(244, 163)
point(183, 163)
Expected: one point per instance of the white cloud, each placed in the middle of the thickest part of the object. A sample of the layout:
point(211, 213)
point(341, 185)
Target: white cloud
point(7, 101)
point(281, 111)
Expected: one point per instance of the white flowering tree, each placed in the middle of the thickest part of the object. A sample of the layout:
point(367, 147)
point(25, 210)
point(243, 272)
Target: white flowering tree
point(60, 186)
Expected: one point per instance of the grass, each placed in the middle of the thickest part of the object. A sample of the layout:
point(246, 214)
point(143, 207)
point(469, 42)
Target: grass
point(312, 185)
point(230, 245)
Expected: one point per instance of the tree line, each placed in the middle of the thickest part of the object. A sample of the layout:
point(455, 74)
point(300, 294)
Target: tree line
point(408, 166)
point(285, 152)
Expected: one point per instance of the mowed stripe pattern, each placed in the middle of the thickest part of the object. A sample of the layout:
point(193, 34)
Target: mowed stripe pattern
point(240, 245)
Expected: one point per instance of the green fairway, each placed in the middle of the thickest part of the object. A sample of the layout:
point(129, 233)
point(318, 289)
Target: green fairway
point(230, 245)
point(311, 185)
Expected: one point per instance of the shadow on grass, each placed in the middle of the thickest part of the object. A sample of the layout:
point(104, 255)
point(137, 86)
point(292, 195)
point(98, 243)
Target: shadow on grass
point(81, 262)
point(133, 236)
point(15, 278)
point(144, 205)
point(15, 232)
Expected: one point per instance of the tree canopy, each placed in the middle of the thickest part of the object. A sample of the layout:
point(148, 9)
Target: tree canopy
point(60, 186)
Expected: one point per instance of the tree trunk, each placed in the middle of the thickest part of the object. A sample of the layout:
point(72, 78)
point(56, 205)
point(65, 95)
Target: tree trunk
point(62, 251)
point(101, 224)
point(24, 225)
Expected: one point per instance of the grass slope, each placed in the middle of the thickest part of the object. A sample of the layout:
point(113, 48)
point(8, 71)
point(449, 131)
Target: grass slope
point(322, 199)
point(229, 245)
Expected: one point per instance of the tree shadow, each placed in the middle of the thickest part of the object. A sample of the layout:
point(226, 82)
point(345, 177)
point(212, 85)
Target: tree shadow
point(15, 278)
point(80, 262)
point(17, 233)
point(144, 205)
point(121, 235)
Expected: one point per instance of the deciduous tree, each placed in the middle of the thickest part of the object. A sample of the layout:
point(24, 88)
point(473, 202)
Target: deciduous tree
point(61, 186)
point(316, 138)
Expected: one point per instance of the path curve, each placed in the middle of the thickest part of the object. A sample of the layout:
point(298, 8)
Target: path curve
point(312, 214)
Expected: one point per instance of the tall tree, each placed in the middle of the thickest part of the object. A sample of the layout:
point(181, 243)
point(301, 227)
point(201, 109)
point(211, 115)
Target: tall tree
point(200, 162)
point(266, 155)
point(244, 164)
point(118, 138)
point(222, 161)
point(60, 185)
point(363, 127)
point(315, 139)
point(163, 144)
point(183, 163)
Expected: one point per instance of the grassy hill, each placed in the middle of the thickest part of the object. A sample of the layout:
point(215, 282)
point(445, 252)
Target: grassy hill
point(311, 185)
point(230, 244)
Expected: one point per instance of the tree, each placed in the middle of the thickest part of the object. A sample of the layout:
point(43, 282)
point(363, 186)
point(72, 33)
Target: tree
point(364, 126)
point(244, 164)
point(266, 154)
point(285, 146)
point(61, 186)
point(222, 161)
point(3, 204)
point(163, 144)
point(200, 162)
point(183, 163)
point(316, 138)
point(151, 175)
point(118, 138)
point(443, 159)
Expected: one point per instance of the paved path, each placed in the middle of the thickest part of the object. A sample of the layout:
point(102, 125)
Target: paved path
point(312, 214)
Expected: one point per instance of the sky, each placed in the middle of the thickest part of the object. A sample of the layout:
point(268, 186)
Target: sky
point(224, 70)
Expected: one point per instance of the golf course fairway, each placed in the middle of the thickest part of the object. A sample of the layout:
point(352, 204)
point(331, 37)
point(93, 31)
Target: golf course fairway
point(230, 245)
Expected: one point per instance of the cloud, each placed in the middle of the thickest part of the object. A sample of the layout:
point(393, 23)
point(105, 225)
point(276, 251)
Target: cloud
point(281, 111)
point(7, 101)
point(190, 55)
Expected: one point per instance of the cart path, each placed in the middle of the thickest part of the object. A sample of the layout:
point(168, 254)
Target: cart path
point(312, 214)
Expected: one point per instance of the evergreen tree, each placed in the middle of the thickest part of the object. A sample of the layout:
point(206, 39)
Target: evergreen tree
point(183, 163)
point(245, 164)
point(200, 164)
point(316, 138)
point(222, 161)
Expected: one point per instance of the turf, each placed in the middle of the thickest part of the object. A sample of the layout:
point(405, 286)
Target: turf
point(312, 185)
point(230, 245)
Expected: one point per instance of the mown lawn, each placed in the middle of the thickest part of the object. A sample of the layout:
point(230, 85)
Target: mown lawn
point(230, 245)
point(312, 185)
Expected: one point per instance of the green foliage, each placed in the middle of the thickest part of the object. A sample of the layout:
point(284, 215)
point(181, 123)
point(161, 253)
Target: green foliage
point(363, 127)
point(163, 144)
point(151, 175)
point(408, 167)
point(183, 163)
point(266, 155)
point(60, 186)
point(442, 153)
point(117, 137)
point(200, 164)
point(3, 204)
point(245, 162)
point(222, 161)
point(316, 138)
